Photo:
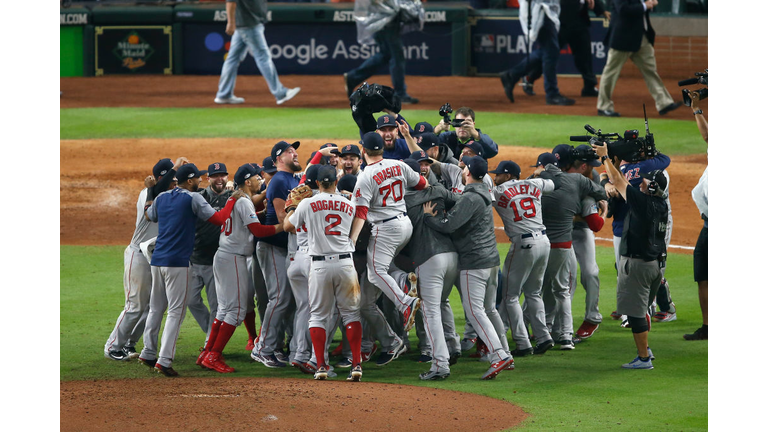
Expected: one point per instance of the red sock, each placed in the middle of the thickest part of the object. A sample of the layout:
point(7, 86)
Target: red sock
point(215, 326)
point(355, 338)
point(225, 332)
point(250, 325)
point(318, 343)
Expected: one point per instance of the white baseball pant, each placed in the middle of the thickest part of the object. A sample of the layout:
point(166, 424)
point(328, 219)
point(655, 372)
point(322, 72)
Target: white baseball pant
point(170, 289)
point(137, 284)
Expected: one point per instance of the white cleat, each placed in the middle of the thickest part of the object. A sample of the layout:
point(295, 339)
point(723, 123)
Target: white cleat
point(289, 95)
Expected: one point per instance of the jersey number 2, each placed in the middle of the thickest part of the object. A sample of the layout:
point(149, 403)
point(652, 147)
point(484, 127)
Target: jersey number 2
point(525, 204)
point(330, 218)
point(390, 189)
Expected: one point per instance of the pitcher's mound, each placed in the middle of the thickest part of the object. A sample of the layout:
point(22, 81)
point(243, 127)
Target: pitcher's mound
point(248, 404)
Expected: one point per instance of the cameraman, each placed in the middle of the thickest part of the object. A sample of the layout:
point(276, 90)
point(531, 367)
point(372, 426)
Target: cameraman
point(466, 132)
point(642, 250)
point(700, 253)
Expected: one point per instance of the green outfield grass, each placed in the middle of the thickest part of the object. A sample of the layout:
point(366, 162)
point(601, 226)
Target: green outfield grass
point(584, 389)
point(673, 137)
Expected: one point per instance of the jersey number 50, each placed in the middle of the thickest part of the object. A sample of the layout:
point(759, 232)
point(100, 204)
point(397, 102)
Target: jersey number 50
point(395, 189)
point(525, 204)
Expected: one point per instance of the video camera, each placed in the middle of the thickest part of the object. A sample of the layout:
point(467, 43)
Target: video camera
point(445, 112)
point(701, 78)
point(630, 147)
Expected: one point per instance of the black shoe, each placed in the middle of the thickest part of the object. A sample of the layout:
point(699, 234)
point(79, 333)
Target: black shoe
point(589, 92)
point(522, 353)
point(349, 86)
point(130, 352)
point(117, 355)
point(700, 334)
point(671, 107)
point(560, 100)
point(527, 87)
point(608, 113)
point(543, 347)
point(167, 371)
point(148, 363)
point(408, 99)
point(509, 82)
point(454, 358)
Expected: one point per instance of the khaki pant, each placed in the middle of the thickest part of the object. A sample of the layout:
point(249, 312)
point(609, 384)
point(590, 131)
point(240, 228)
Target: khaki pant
point(645, 60)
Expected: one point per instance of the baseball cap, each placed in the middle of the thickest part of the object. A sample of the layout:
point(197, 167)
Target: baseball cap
point(372, 141)
point(326, 173)
point(413, 164)
point(268, 165)
point(244, 173)
point(280, 147)
point(420, 156)
point(585, 149)
point(422, 128)
point(427, 140)
point(350, 149)
point(563, 154)
point(477, 166)
point(188, 171)
point(507, 167)
point(474, 146)
point(310, 178)
point(161, 167)
point(256, 167)
point(217, 168)
point(657, 176)
point(347, 183)
point(385, 120)
point(330, 145)
point(545, 159)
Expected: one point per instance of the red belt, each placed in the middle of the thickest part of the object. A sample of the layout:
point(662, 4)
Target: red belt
point(560, 245)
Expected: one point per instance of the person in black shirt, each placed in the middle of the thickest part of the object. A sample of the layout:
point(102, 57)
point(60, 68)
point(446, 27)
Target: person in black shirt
point(642, 250)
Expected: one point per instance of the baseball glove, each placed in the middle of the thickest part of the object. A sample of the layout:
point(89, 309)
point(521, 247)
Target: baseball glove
point(297, 194)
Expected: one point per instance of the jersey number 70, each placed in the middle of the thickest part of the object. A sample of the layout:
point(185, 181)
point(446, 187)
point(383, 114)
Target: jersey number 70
point(395, 189)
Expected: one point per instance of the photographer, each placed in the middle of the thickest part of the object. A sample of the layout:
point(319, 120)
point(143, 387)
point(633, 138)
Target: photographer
point(464, 132)
point(642, 250)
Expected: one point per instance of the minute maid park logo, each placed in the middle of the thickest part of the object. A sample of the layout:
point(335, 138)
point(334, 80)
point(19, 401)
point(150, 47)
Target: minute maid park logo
point(133, 51)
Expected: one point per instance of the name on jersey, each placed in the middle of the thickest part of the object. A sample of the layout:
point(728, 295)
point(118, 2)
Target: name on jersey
point(387, 173)
point(513, 191)
point(332, 205)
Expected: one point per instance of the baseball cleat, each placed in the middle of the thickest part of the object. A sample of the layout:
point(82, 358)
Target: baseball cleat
point(522, 352)
point(616, 315)
point(272, 362)
point(480, 351)
point(289, 95)
point(201, 357)
point(167, 371)
point(118, 355)
point(664, 316)
point(230, 100)
point(344, 363)
point(468, 343)
point(624, 321)
point(148, 363)
point(215, 361)
point(131, 352)
point(701, 333)
point(355, 374)
point(638, 363)
point(281, 357)
point(412, 285)
point(425, 357)
point(365, 356)
point(454, 358)
point(543, 347)
point(256, 357)
point(409, 316)
point(310, 366)
point(435, 375)
point(387, 356)
point(303, 367)
point(511, 365)
point(566, 345)
point(587, 329)
point(496, 368)
point(322, 373)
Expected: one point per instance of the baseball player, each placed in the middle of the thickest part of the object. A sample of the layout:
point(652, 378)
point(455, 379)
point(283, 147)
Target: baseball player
point(234, 287)
point(470, 224)
point(430, 143)
point(332, 278)
point(518, 203)
point(176, 212)
point(378, 198)
point(268, 169)
point(137, 277)
point(351, 159)
point(273, 258)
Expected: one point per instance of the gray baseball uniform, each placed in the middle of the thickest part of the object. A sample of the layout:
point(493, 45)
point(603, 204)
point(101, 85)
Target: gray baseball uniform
point(298, 275)
point(585, 256)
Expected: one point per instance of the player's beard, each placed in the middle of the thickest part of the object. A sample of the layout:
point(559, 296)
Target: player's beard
point(218, 187)
point(294, 165)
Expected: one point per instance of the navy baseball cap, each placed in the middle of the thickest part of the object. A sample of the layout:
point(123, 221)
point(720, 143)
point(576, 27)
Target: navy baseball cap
point(280, 147)
point(427, 140)
point(372, 141)
point(350, 149)
point(217, 168)
point(585, 149)
point(563, 153)
point(347, 183)
point(474, 146)
point(420, 156)
point(385, 120)
point(545, 159)
point(423, 127)
point(413, 164)
point(477, 166)
point(161, 167)
point(256, 167)
point(189, 171)
point(268, 165)
point(310, 178)
point(507, 167)
point(326, 173)
point(244, 173)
